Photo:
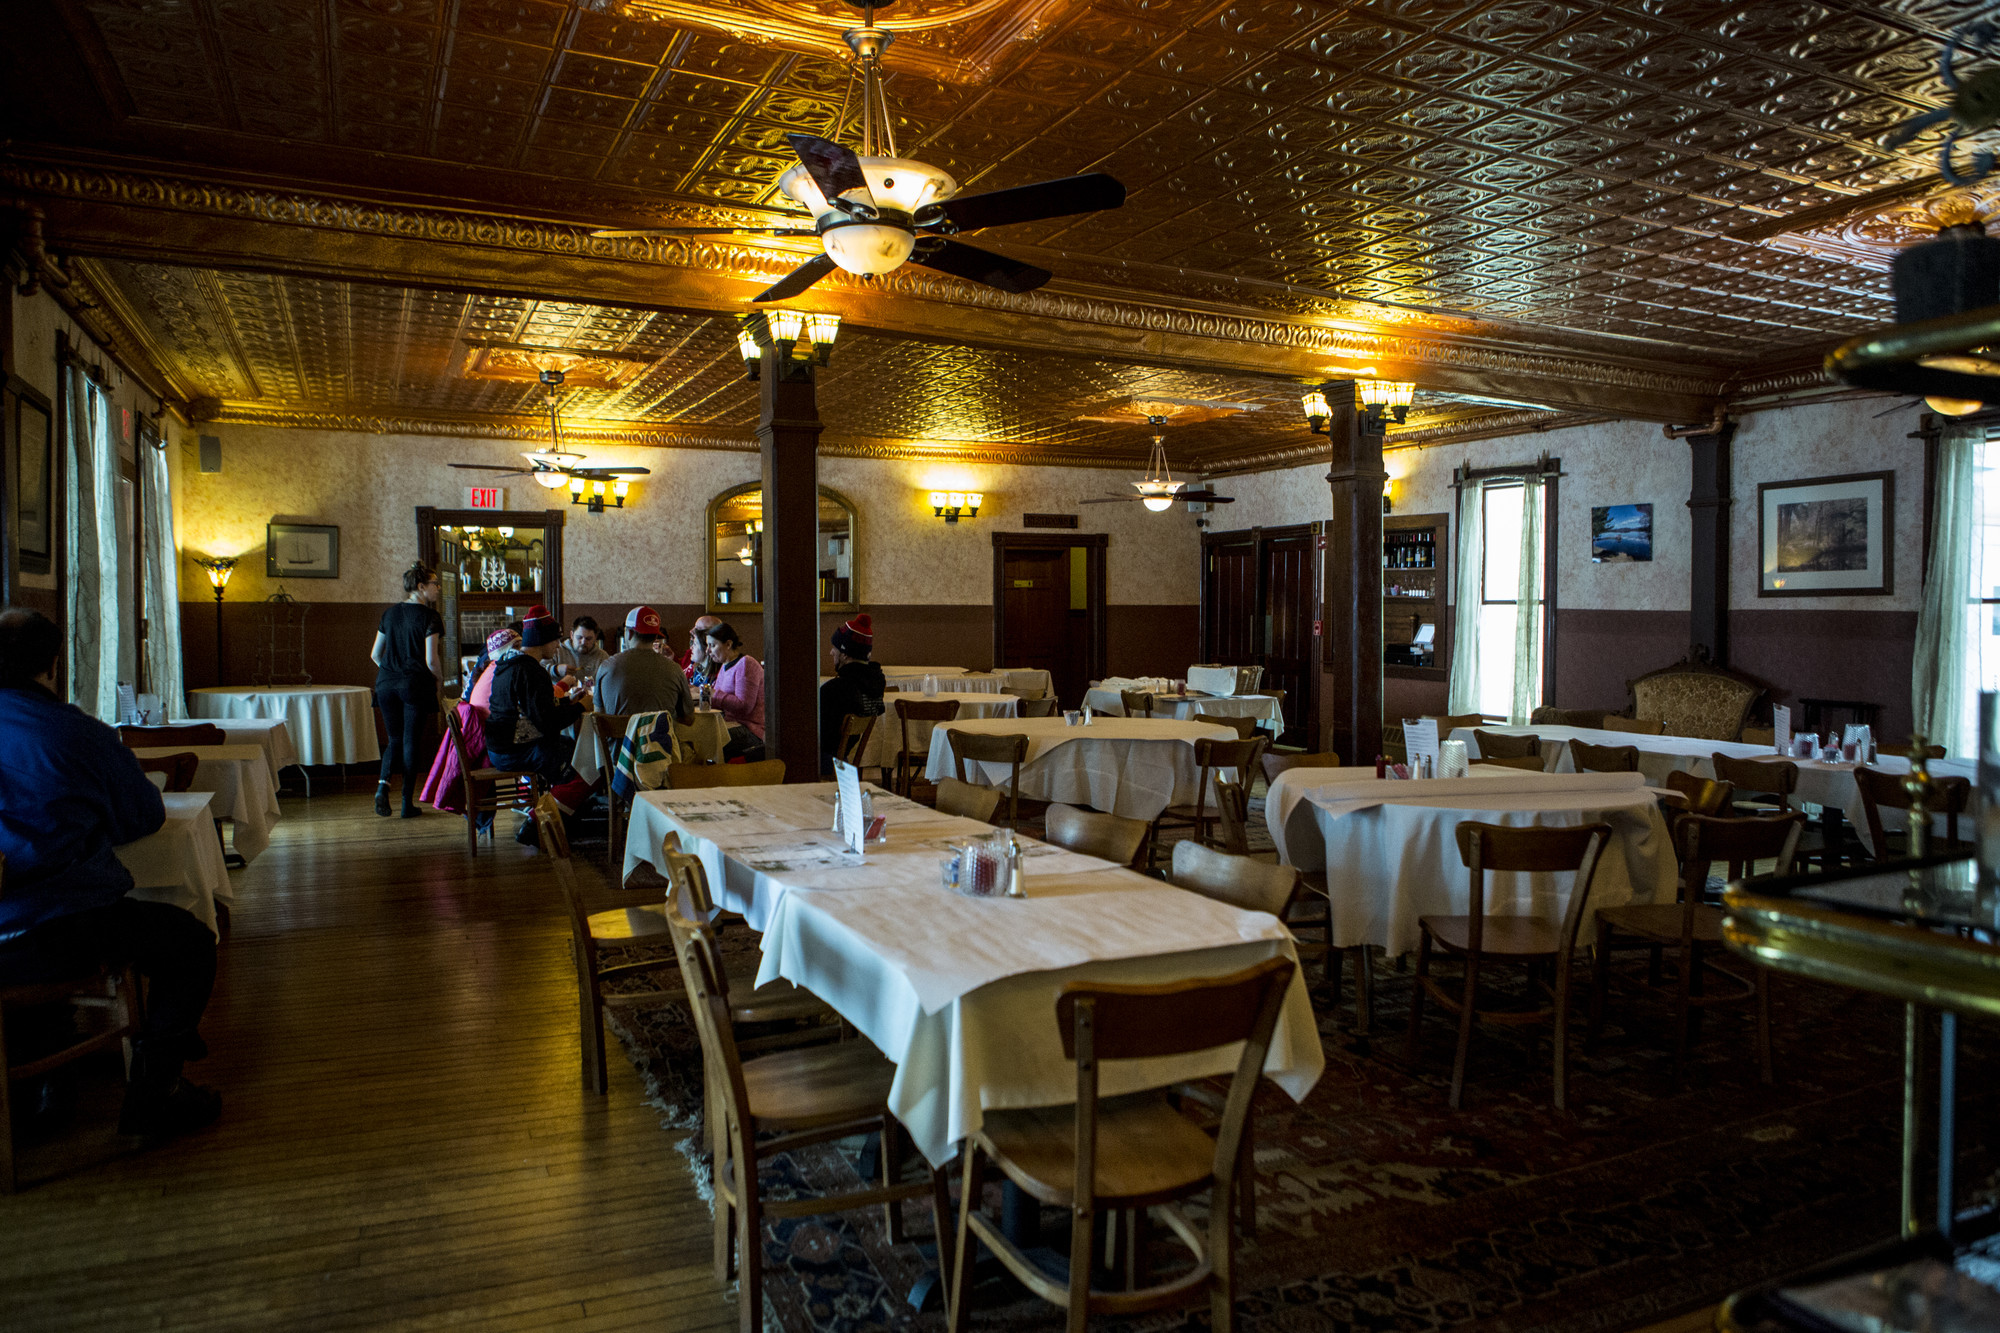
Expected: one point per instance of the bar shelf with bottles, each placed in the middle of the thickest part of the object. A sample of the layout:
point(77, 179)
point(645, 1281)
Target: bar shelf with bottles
point(1413, 591)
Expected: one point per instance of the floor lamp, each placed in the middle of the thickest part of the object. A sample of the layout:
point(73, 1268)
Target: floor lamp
point(219, 569)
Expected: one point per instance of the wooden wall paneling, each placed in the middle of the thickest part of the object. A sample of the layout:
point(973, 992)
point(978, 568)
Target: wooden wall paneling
point(1708, 563)
point(788, 431)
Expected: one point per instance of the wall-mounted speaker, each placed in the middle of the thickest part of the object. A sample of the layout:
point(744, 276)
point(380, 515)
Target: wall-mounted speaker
point(211, 453)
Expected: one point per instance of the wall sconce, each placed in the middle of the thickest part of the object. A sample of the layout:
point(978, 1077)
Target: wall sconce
point(954, 505)
point(1380, 402)
point(594, 495)
point(1318, 413)
point(1387, 484)
point(779, 330)
point(1386, 398)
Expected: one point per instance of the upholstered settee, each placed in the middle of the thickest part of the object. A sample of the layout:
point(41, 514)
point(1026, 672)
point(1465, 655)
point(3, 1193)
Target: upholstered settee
point(1695, 698)
point(1546, 716)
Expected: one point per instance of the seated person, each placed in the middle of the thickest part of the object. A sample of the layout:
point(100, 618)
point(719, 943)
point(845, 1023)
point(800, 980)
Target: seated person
point(739, 693)
point(640, 679)
point(580, 655)
point(69, 793)
point(480, 696)
point(525, 723)
point(856, 687)
point(694, 662)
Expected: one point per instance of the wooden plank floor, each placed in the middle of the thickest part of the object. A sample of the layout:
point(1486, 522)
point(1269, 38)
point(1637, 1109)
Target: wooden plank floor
point(405, 1142)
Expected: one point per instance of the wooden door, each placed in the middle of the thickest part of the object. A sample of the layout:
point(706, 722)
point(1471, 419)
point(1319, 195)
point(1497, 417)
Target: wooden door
point(1229, 599)
point(1041, 630)
point(1290, 609)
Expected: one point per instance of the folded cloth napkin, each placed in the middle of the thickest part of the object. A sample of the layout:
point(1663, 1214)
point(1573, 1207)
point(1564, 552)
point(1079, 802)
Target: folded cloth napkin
point(1138, 684)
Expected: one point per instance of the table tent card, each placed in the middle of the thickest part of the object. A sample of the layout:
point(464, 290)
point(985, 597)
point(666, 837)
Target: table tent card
point(1781, 728)
point(1420, 742)
point(849, 821)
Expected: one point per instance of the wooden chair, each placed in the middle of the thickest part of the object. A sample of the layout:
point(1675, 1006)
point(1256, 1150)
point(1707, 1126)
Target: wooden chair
point(1112, 837)
point(1477, 938)
point(1772, 779)
point(1527, 763)
point(967, 801)
point(1232, 816)
point(191, 733)
point(1884, 791)
point(1133, 1152)
point(1209, 754)
point(1136, 703)
point(774, 1103)
point(979, 747)
point(610, 729)
point(177, 769)
point(910, 759)
point(1642, 726)
point(763, 773)
point(1604, 758)
point(1279, 696)
point(1502, 745)
point(1276, 762)
point(1244, 727)
point(852, 746)
point(1690, 795)
point(1451, 722)
point(1695, 927)
point(1036, 708)
point(487, 790)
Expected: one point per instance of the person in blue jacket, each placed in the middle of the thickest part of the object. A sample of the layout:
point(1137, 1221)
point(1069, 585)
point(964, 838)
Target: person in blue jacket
point(69, 793)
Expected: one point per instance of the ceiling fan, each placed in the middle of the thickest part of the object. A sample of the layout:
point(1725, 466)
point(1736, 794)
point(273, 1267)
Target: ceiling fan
point(874, 213)
point(554, 467)
point(1159, 490)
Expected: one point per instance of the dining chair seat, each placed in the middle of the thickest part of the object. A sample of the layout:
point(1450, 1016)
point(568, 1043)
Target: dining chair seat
point(813, 1086)
point(1147, 1150)
point(622, 925)
point(1514, 936)
point(1661, 922)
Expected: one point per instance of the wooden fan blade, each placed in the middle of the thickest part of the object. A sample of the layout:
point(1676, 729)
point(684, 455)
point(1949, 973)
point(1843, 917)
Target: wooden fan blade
point(608, 233)
point(835, 169)
point(1032, 203)
point(800, 278)
point(490, 467)
point(1111, 500)
point(976, 265)
point(608, 473)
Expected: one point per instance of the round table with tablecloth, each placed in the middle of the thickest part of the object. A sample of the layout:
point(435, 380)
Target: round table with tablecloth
point(329, 724)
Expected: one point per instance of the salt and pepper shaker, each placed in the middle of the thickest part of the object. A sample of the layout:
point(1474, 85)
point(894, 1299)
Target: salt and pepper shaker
point(1014, 858)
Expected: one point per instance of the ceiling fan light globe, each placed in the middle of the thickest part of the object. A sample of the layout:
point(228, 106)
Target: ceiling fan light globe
point(1159, 504)
point(867, 249)
point(554, 481)
point(1954, 407)
point(906, 184)
point(798, 186)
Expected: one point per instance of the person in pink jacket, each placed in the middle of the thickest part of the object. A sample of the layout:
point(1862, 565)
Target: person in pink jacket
point(442, 788)
point(739, 693)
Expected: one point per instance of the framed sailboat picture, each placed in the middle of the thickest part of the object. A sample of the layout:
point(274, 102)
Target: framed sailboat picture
point(301, 551)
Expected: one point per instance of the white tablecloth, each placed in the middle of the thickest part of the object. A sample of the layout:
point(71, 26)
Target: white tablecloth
point(181, 864)
point(958, 992)
point(270, 734)
point(1388, 864)
point(950, 680)
point(887, 738)
point(708, 733)
point(1181, 707)
point(239, 776)
point(330, 724)
point(1135, 767)
point(1820, 783)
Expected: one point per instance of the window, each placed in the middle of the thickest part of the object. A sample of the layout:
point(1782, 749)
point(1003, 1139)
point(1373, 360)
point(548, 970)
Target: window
point(1500, 588)
point(1982, 637)
point(1501, 593)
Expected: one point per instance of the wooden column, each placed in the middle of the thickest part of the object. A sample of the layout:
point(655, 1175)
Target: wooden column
point(1708, 565)
point(1351, 700)
point(788, 428)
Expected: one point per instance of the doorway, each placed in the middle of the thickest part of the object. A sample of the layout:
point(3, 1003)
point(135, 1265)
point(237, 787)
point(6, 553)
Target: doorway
point(1048, 607)
point(1260, 600)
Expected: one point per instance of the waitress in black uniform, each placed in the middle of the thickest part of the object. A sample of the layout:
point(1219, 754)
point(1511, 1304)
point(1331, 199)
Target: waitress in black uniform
point(408, 655)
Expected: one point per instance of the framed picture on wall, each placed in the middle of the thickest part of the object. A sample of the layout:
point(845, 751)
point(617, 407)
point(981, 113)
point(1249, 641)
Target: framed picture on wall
point(301, 551)
point(34, 500)
point(1621, 534)
point(1827, 536)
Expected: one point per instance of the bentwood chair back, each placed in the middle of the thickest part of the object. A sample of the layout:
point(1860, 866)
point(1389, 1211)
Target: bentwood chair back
point(1476, 938)
point(1275, 763)
point(967, 801)
point(854, 733)
point(1450, 722)
point(190, 733)
point(1240, 881)
point(910, 758)
point(1043, 707)
point(1884, 791)
point(486, 790)
point(763, 773)
point(1112, 837)
point(1136, 703)
point(1132, 1152)
point(1604, 758)
point(1210, 755)
point(1232, 816)
point(1687, 795)
point(1502, 745)
point(978, 747)
point(1244, 727)
point(1638, 726)
point(1527, 763)
point(177, 770)
point(587, 931)
point(775, 1103)
point(610, 729)
point(1694, 927)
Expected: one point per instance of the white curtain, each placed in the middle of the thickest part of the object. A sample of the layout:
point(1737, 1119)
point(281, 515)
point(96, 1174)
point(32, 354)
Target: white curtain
point(163, 586)
point(1528, 607)
point(1467, 584)
point(90, 469)
point(1944, 697)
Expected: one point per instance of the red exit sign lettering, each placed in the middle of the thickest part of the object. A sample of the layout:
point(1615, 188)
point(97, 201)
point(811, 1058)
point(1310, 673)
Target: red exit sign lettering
point(486, 497)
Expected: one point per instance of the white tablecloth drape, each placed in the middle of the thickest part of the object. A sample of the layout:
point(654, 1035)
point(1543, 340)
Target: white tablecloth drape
point(708, 733)
point(1135, 767)
point(959, 992)
point(270, 734)
point(887, 738)
point(950, 680)
point(239, 777)
point(1182, 707)
point(181, 863)
point(1820, 782)
point(1390, 849)
point(329, 724)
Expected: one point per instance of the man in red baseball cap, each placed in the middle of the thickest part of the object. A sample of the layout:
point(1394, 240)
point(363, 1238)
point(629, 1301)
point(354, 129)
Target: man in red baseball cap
point(640, 678)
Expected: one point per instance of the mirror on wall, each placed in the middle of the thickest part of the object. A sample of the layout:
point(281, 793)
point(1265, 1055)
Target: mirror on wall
point(735, 568)
point(492, 566)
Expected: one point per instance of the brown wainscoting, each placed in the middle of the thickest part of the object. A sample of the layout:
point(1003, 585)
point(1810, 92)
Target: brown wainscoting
point(1408, 698)
point(1864, 655)
point(338, 637)
point(1152, 640)
point(1598, 651)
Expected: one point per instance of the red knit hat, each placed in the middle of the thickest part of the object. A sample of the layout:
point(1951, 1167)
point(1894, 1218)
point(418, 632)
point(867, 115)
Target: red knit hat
point(536, 612)
point(857, 637)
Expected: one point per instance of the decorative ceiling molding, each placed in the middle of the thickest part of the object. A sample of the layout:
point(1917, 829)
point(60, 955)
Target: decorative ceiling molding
point(1455, 430)
point(1873, 239)
point(519, 363)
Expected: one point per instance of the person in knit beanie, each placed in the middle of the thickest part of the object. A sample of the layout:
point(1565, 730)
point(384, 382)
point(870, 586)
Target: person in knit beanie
point(856, 687)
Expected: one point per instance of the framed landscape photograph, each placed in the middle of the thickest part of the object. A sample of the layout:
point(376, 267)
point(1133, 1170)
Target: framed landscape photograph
point(301, 551)
point(1621, 534)
point(1827, 536)
point(34, 502)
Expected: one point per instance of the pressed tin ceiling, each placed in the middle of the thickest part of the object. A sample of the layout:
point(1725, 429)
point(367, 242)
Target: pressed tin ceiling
point(1572, 175)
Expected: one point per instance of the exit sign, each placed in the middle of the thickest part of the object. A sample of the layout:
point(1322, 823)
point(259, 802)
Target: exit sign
point(486, 497)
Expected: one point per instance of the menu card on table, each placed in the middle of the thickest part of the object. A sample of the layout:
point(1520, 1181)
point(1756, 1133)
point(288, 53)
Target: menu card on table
point(848, 820)
point(1781, 727)
point(1420, 742)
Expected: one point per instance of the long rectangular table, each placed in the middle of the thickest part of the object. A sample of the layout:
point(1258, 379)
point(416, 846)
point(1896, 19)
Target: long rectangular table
point(1182, 707)
point(1131, 766)
point(958, 992)
point(181, 862)
point(239, 776)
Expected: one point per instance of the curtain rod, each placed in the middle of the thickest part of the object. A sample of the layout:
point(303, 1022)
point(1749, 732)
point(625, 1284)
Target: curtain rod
point(1543, 468)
